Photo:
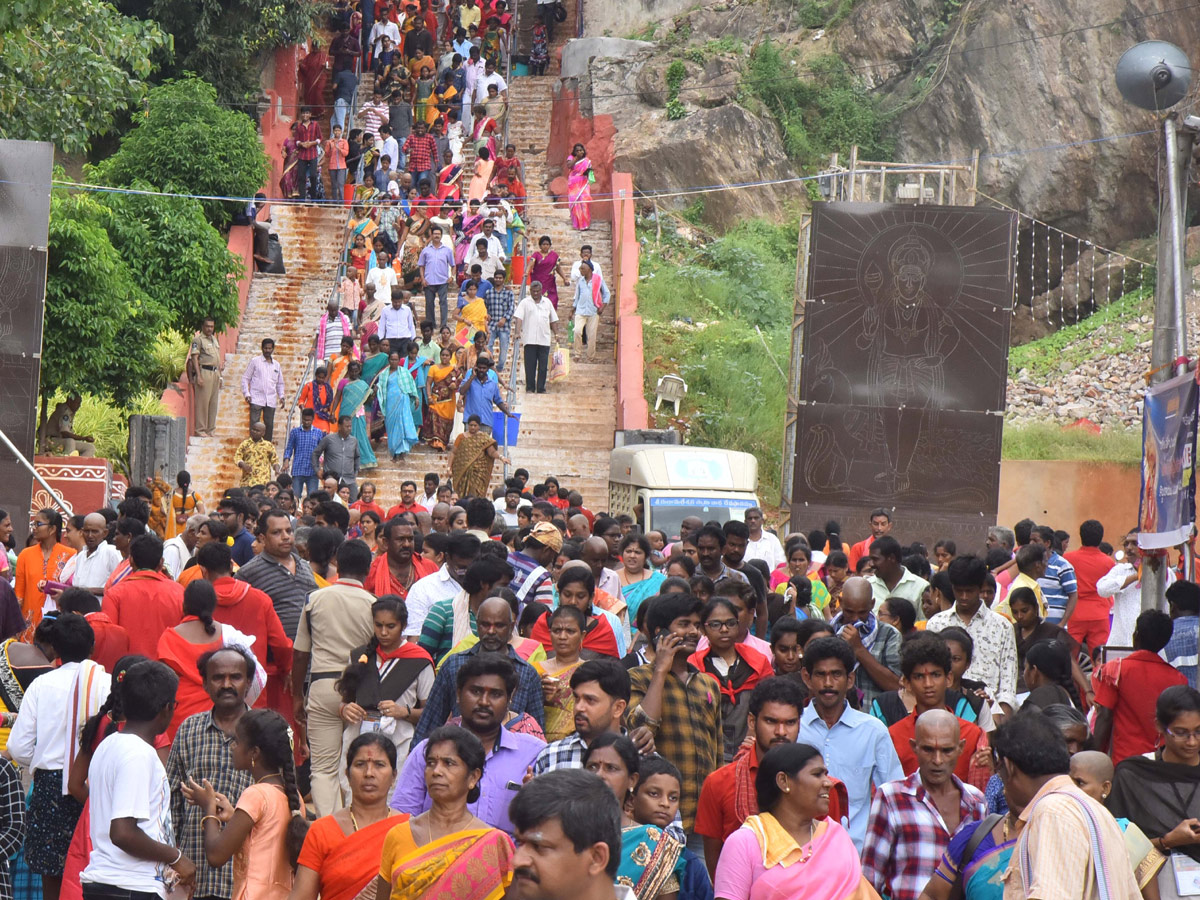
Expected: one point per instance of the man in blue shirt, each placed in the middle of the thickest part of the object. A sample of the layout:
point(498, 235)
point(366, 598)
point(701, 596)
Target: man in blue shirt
point(301, 442)
point(480, 394)
point(437, 264)
point(1183, 602)
point(856, 747)
point(591, 294)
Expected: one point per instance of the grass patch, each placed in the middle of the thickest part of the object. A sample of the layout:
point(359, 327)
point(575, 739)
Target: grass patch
point(700, 307)
point(1100, 334)
point(1047, 441)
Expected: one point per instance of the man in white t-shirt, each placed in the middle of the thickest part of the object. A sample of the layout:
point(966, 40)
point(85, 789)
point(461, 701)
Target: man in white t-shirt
point(133, 849)
point(585, 256)
point(383, 276)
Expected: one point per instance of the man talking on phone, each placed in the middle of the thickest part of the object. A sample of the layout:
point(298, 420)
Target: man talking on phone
point(678, 703)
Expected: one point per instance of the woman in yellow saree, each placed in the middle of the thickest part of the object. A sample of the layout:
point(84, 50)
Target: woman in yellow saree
point(445, 851)
point(442, 387)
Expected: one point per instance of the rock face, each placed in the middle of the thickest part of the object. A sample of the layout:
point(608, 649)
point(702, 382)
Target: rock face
point(717, 142)
point(620, 18)
point(1029, 92)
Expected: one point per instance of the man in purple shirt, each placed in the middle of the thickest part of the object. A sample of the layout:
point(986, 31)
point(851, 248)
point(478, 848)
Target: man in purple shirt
point(485, 685)
point(437, 264)
point(262, 386)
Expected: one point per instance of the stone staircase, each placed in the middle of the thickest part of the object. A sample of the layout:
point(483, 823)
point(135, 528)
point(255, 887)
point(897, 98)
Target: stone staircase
point(286, 308)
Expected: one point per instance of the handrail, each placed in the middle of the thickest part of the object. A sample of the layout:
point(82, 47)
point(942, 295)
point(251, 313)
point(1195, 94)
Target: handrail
point(514, 35)
point(340, 273)
point(54, 495)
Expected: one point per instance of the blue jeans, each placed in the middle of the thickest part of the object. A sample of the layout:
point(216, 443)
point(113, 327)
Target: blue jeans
point(337, 182)
point(310, 174)
point(501, 335)
point(340, 109)
point(302, 482)
point(423, 173)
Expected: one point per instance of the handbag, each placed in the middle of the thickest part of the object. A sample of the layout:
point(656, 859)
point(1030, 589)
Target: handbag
point(986, 824)
point(560, 11)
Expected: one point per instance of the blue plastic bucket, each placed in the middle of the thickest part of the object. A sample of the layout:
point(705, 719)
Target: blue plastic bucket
point(499, 421)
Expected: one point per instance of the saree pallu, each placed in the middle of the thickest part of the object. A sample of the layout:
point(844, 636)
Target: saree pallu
point(475, 864)
point(543, 271)
point(475, 314)
point(560, 706)
point(579, 193)
point(397, 399)
point(416, 370)
point(478, 187)
point(346, 863)
point(637, 593)
point(832, 871)
point(354, 397)
point(442, 388)
point(448, 179)
point(471, 226)
point(651, 861)
point(318, 396)
point(472, 468)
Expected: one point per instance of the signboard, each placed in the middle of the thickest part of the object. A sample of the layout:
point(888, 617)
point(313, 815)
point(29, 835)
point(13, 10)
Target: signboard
point(24, 230)
point(1168, 497)
point(691, 469)
point(903, 368)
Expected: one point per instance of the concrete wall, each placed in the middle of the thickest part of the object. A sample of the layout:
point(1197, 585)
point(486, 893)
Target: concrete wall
point(632, 410)
point(1063, 493)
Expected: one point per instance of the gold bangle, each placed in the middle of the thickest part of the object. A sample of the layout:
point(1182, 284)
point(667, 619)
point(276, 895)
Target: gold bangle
point(204, 819)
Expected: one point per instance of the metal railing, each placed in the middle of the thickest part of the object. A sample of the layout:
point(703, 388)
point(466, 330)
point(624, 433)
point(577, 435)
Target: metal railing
point(310, 362)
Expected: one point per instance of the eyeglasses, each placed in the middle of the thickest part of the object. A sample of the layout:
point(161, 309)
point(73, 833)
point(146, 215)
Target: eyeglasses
point(721, 625)
point(1183, 735)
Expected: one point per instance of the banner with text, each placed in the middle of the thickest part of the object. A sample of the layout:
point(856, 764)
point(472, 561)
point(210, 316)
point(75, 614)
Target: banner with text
point(1168, 499)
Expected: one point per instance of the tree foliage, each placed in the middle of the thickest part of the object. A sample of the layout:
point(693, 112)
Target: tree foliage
point(189, 144)
point(99, 323)
point(221, 40)
point(177, 257)
point(67, 71)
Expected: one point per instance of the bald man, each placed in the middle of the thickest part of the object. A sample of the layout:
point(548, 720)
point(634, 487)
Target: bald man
point(595, 554)
point(98, 559)
point(912, 820)
point(876, 644)
point(440, 518)
point(494, 624)
point(578, 528)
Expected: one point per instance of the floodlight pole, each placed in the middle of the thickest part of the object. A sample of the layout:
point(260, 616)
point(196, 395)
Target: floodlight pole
point(1169, 348)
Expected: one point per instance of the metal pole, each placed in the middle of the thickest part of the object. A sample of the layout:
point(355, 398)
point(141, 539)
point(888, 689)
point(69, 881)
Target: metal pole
point(58, 501)
point(1170, 338)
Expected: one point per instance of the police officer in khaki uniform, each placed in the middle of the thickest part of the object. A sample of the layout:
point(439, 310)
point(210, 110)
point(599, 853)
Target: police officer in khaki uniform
point(204, 371)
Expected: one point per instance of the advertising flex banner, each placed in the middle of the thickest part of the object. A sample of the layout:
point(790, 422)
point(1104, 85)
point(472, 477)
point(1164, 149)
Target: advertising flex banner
point(1168, 499)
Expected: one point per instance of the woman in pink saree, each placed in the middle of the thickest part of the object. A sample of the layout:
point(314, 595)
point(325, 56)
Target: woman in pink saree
point(484, 164)
point(579, 187)
point(421, 861)
point(791, 849)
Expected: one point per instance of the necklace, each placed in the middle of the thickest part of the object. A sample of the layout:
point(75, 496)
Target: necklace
point(265, 777)
point(428, 823)
point(353, 821)
point(812, 834)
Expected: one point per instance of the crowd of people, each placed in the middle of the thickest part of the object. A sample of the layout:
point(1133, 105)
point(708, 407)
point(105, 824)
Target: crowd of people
point(310, 695)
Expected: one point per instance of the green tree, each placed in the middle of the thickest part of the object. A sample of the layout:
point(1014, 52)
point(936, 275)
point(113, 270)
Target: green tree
point(99, 324)
point(222, 40)
point(177, 257)
point(67, 71)
point(189, 144)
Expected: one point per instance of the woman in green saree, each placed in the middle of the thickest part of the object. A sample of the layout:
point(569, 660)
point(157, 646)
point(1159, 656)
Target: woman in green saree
point(351, 400)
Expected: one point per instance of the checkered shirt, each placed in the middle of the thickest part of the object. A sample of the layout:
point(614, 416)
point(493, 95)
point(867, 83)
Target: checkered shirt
point(906, 836)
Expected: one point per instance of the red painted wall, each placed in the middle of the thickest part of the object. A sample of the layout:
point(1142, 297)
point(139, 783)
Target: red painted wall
point(632, 410)
point(569, 127)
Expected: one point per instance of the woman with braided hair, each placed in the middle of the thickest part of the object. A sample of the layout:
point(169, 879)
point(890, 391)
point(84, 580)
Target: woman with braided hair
point(264, 833)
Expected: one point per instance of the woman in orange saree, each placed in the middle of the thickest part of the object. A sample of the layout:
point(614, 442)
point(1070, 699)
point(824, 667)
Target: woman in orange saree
point(445, 851)
point(442, 388)
point(341, 851)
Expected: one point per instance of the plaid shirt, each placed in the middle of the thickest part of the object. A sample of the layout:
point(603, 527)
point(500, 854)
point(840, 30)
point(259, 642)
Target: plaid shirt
point(12, 823)
point(1181, 648)
point(300, 446)
point(309, 132)
point(500, 303)
point(566, 753)
point(443, 699)
point(421, 151)
point(201, 750)
point(906, 836)
point(688, 732)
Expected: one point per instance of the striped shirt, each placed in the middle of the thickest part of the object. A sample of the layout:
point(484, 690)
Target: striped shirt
point(437, 632)
point(288, 592)
point(201, 750)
